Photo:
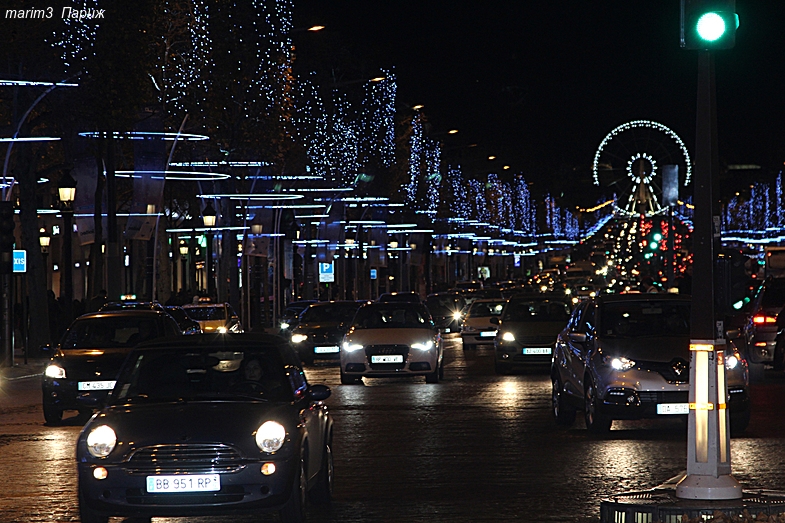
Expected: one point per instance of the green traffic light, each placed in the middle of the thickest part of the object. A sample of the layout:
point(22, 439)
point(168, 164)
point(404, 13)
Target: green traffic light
point(654, 246)
point(657, 236)
point(711, 27)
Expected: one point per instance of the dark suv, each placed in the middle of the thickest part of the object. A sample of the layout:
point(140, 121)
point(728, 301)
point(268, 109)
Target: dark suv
point(82, 371)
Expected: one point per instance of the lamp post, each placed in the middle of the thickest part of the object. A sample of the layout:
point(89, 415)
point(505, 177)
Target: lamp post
point(209, 217)
point(44, 240)
point(183, 271)
point(67, 193)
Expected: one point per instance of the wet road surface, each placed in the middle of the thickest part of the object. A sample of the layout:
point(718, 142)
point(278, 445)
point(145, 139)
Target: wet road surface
point(475, 447)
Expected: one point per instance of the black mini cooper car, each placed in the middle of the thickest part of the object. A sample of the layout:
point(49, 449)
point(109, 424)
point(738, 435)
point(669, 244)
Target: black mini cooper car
point(213, 424)
point(83, 368)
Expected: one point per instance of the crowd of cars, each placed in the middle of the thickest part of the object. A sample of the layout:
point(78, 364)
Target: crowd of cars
point(226, 422)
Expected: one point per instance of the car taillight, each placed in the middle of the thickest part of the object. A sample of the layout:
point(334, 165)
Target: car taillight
point(761, 319)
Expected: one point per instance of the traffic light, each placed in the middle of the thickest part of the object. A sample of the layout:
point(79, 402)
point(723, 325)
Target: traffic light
point(731, 282)
point(7, 226)
point(708, 24)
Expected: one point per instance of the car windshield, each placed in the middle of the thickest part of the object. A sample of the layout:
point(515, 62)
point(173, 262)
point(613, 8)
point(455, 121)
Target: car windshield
point(443, 304)
point(484, 309)
point(330, 312)
point(207, 313)
point(184, 374)
point(632, 319)
point(391, 317)
point(109, 332)
point(536, 310)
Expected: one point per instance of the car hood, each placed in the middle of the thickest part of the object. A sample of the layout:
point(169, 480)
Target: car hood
point(533, 328)
point(97, 361)
point(401, 336)
point(193, 421)
point(318, 326)
point(211, 325)
point(483, 322)
point(648, 348)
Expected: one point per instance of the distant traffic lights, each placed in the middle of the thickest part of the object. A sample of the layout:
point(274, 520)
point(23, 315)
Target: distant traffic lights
point(708, 24)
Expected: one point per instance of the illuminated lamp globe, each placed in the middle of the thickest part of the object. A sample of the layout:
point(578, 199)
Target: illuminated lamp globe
point(67, 188)
point(209, 216)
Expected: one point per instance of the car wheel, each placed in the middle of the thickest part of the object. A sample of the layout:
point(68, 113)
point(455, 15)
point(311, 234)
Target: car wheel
point(88, 515)
point(739, 422)
point(595, 422)
point(52, 415)
point(322, 491)
point(294, 509)
point(564, 414)
point(348, 380)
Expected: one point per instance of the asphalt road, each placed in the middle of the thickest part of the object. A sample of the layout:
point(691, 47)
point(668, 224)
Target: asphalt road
point(475, 447)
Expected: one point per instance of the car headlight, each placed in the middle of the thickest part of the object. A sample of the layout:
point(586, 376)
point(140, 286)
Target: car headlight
point(457, 315)
point(55, 371)
point(428, 345)
point(731, 362)
point(620, 363)
point(299, 338)
point(567, 291)
point(101, 441)
point(271, 436)
point(284, 325)
point(351, 347)
point(508, 336)
point(222, 330)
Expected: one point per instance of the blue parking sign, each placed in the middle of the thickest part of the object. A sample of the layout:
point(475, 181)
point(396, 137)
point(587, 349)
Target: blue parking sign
point(326, 272)
point(20, 260)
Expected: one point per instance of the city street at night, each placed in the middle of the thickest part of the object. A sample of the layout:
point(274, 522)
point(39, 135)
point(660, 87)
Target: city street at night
point(475, 447)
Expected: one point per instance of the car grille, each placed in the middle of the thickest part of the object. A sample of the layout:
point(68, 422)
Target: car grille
point(228, 494)
point(376, 350)
point(664, 397)
point(536, 341)
point(190, 458)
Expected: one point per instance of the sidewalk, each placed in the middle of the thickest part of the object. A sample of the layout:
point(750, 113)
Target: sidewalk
point(20, 370)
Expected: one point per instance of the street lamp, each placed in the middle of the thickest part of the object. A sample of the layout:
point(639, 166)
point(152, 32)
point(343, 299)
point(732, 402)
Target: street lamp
point(209, 216)
point(44, 240)
point(183, 246)
point(67, 193)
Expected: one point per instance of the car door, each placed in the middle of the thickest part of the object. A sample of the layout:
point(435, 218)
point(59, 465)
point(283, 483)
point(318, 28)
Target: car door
point(580, 342)
point(565, 353)
point(312, 416)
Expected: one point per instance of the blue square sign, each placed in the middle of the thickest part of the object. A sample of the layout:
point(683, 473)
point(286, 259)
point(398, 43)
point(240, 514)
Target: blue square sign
point(20, 261)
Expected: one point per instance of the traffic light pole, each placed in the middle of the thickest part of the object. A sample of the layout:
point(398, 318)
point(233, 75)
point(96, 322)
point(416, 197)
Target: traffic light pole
point(708, 440)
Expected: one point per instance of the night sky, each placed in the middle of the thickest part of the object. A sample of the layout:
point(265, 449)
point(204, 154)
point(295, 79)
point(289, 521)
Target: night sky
point(539, 84)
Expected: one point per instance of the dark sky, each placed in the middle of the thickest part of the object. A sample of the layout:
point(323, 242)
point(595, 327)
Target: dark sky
point(540, 83)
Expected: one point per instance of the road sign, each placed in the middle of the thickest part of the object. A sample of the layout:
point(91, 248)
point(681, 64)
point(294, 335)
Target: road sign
point(20, 260)
point(373, 274)
point(326, 272)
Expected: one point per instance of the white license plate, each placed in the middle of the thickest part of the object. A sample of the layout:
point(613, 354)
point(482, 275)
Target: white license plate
point(189, 483)
point(393, 358)
point(537, 350)
point(487, 334)
point(673, 408)
point(326, 350)
point(95, 385)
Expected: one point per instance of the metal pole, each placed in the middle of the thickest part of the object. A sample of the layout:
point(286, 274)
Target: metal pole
point(708, 440)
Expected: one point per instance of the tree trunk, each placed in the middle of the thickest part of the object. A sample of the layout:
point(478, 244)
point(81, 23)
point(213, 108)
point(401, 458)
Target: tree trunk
point(36, 272)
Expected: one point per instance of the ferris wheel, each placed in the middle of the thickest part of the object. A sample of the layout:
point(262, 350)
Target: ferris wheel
point(630, 160)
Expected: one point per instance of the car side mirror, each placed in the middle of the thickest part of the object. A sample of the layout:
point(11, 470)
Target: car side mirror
point(319, 392)
point(733, 334)
point(578, 337)
point(495, 320)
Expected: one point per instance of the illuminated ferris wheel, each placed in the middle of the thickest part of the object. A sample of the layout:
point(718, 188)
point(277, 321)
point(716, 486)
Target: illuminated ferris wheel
point(630, 160)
